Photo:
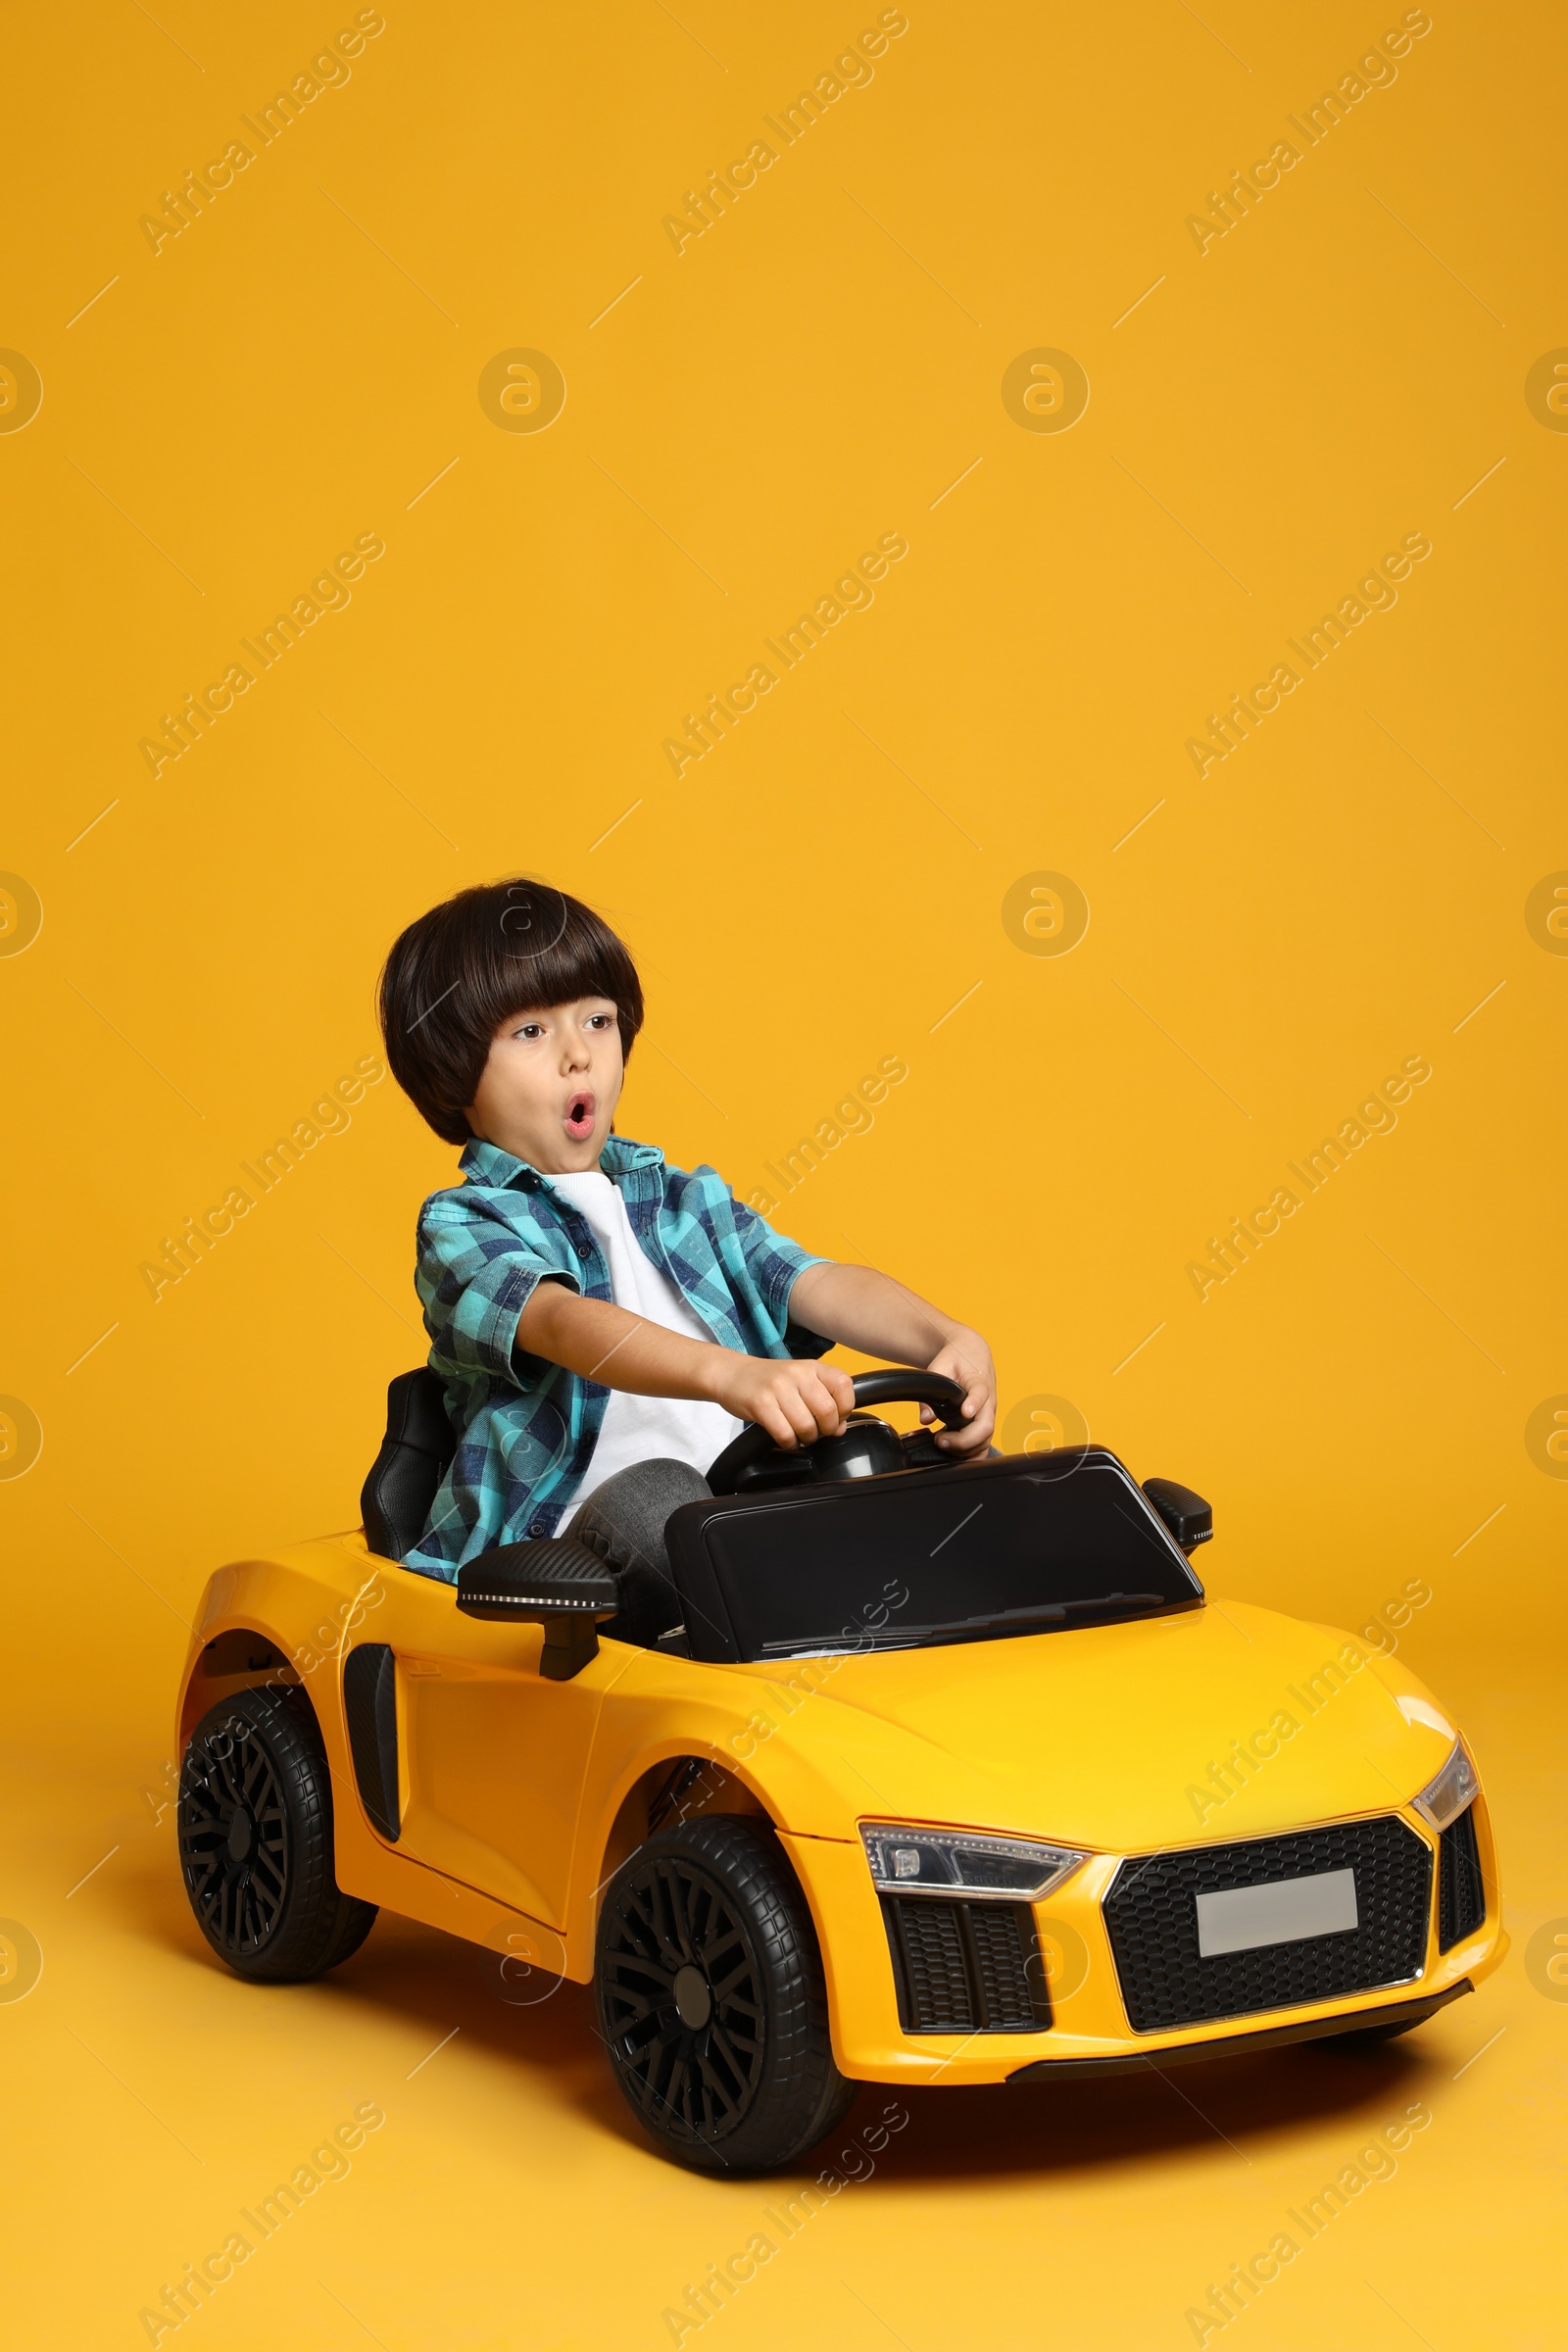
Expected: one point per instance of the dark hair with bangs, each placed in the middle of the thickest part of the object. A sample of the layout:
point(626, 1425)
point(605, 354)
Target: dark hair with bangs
point(454, 976)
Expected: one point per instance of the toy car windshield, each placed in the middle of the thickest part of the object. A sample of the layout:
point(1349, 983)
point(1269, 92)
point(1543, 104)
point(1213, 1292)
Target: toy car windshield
point(1022, 1545)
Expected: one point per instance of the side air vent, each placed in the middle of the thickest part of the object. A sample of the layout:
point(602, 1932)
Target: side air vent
point(1461, 1890)
point(371, 1704)
point(965, 1968)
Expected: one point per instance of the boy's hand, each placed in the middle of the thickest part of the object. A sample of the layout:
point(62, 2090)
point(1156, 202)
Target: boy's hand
point(966, 1359)
point(796, 1402)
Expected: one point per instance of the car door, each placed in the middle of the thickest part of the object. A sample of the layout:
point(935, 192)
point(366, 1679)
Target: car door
point(491, 1755)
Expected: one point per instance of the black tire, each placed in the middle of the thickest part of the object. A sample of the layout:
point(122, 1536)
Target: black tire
point(255, 1822)
point(712, 2001)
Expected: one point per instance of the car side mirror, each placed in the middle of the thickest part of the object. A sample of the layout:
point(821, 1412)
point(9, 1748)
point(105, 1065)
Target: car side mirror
point(1190, 1519)
point(552, 1581)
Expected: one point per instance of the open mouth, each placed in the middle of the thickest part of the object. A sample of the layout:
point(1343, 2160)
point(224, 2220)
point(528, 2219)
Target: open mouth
point(580, 1116)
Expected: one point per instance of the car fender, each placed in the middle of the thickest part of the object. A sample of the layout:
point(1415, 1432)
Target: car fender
point(308, 1604)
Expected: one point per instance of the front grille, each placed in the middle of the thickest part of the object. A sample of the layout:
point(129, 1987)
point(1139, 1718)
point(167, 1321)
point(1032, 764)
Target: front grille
point(1461, 1890)
point(965, 1968)
point(1151, 1920)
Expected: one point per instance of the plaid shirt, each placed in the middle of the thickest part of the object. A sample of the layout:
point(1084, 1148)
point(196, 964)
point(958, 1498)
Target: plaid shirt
point(527, 1427)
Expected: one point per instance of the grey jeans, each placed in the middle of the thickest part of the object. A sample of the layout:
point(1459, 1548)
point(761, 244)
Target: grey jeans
point(623, 1521)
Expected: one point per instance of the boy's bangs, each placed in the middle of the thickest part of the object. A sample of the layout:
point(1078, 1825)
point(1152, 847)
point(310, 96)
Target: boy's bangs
point(535, 955)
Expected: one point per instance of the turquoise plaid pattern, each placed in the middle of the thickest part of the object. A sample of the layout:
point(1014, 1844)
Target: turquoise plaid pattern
point(527, 1428)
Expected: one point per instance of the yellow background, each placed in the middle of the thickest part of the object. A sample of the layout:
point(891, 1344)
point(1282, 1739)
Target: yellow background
point(1267, 419)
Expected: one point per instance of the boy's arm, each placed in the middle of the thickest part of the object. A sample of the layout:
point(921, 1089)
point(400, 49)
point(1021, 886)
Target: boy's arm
point(871, 1312)
point(796, 1401)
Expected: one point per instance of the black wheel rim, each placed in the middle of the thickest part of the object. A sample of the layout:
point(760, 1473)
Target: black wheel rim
point(690, 2081)
point(235, 1838)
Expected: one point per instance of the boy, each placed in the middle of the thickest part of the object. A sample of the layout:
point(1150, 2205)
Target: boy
point(605, 1323)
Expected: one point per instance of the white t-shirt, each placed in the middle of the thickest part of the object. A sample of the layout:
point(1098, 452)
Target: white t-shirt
point(642, 1429)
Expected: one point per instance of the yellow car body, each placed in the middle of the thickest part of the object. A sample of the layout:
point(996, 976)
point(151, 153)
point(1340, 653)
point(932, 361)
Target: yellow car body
point(519, 1796)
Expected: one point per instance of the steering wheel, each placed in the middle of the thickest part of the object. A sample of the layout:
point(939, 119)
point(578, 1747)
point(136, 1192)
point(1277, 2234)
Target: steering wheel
point(863, 1450)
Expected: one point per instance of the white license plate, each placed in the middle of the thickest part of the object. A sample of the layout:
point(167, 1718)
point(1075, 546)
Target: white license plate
point(1243, 1918)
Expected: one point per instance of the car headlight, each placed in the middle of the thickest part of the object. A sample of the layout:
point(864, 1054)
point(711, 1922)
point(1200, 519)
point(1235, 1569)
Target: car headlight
point(1446, 1798)
point(910, 1861)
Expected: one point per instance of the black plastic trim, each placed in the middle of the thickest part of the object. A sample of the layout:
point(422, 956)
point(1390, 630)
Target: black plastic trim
point(1238, 2045)
point(1150, 1911)
point(709, 1626)
point(1461, 1888)
point(554, 1580)
point(1189, 1517)
point(979, 1959)
point(371, 1705)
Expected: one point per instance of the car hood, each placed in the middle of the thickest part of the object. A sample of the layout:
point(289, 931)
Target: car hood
point(1223, 1722)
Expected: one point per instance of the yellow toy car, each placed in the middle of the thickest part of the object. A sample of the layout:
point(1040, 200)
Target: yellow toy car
point(921, 1771)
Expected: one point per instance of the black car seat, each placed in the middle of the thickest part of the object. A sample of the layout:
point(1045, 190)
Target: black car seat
point(416, 1452)
point(415, 1455)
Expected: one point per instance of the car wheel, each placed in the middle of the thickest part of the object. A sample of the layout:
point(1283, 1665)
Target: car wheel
point(712, 2001)
point(254, 1820)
